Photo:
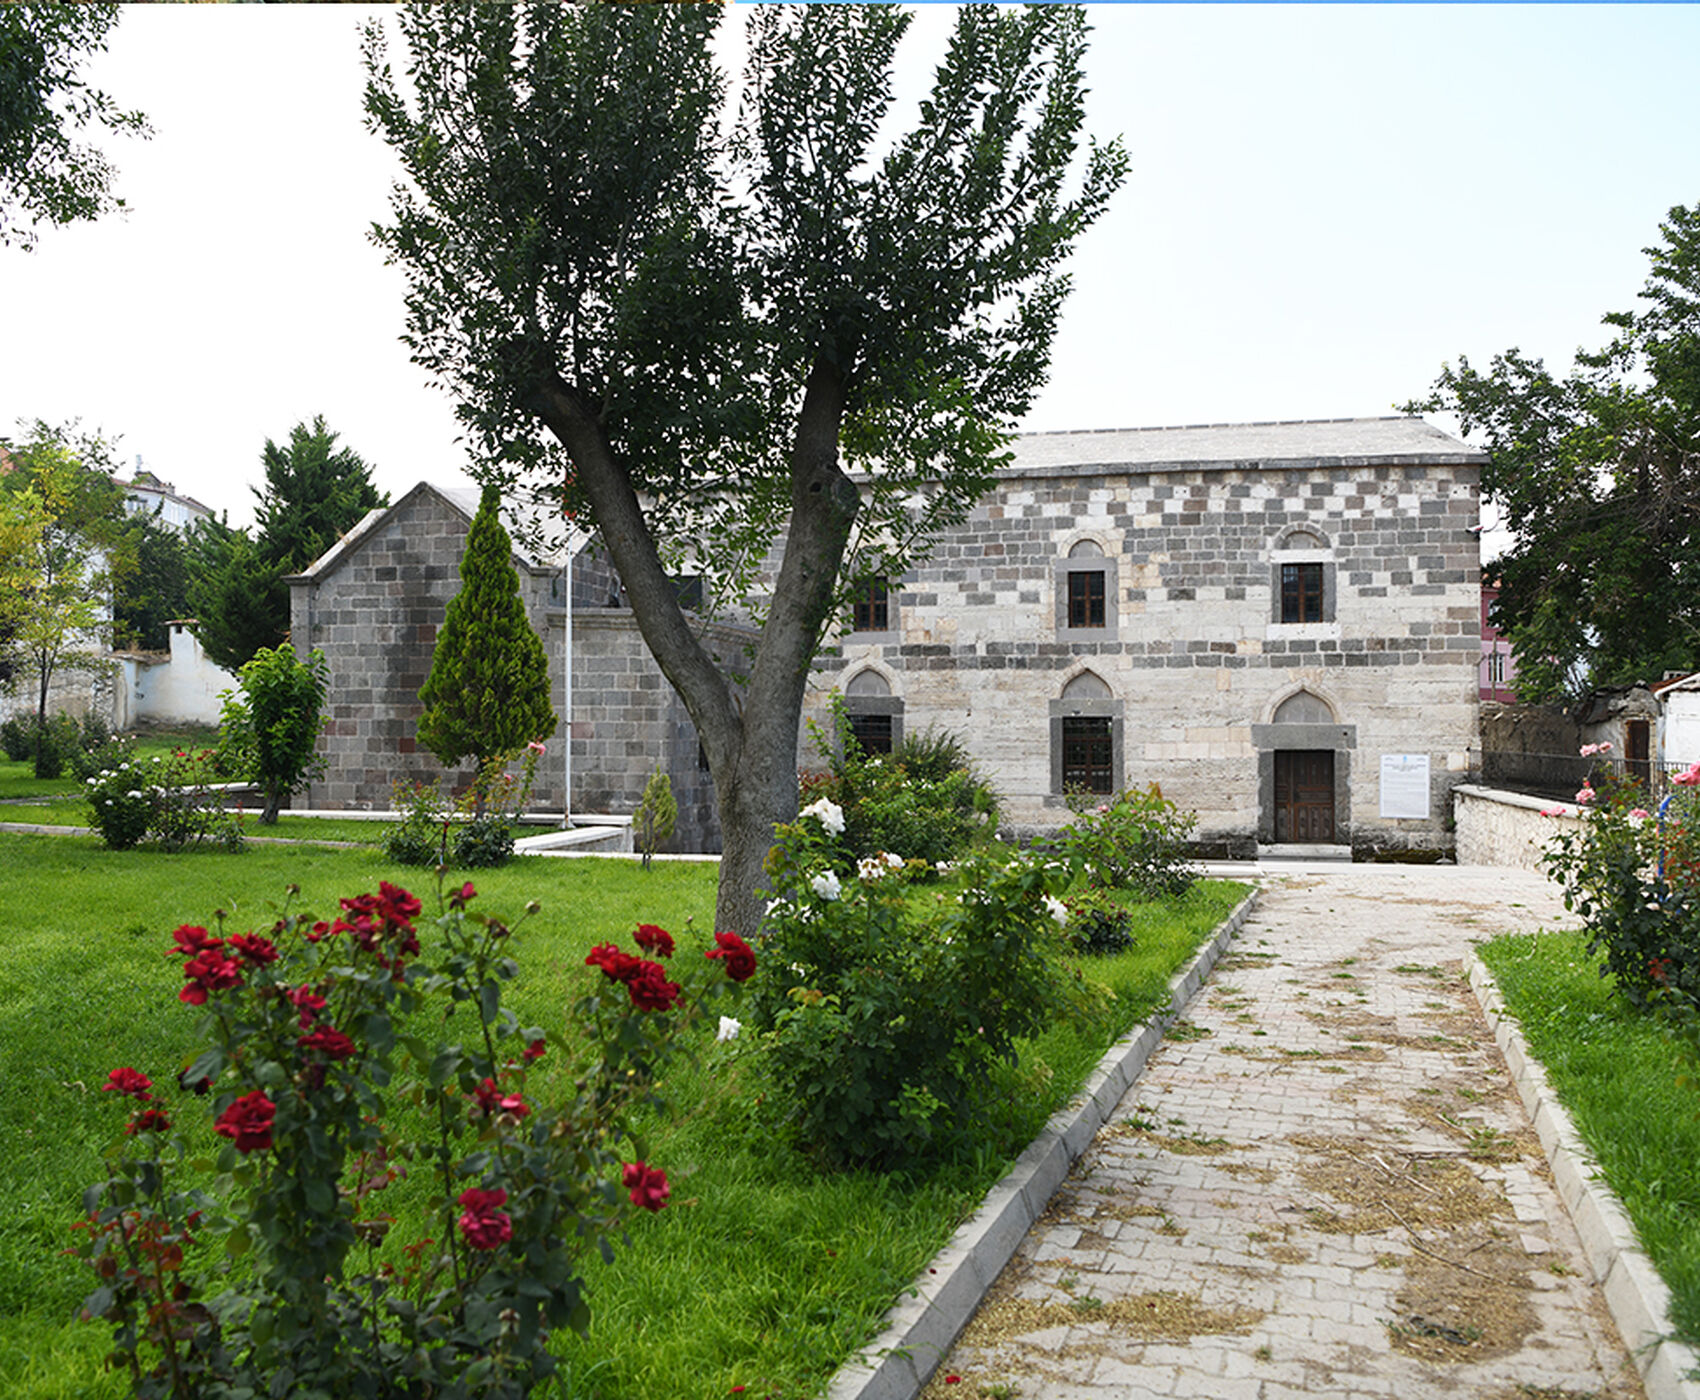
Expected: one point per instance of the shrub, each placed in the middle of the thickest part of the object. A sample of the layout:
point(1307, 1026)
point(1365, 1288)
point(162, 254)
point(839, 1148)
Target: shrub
point(886, 1011)
point(1097, 923)
point(419, 838)
point(1132, 841)
point(170, 799)
point(931, 812)
point(1634, 877)
point(312, 1029)
point(274, 722)
point(653, 822)
point(483, 842)
point(15, 739)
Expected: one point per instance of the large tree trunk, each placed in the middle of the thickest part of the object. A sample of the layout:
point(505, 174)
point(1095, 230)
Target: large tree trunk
point(750, 740)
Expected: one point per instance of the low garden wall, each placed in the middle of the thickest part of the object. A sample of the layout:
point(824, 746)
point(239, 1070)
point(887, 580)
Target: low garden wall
point(1495, 827)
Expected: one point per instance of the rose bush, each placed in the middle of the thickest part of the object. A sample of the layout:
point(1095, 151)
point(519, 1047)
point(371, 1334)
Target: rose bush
point(1132, 840)
point(886, 1010)
point(171, 799)
point(1634, 877)
point(317, 1032)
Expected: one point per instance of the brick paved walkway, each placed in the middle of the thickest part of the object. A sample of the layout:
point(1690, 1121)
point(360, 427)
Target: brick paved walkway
point(1323, 1185)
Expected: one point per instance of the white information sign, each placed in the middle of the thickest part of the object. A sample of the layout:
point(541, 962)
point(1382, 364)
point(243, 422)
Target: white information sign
point(1404, 785)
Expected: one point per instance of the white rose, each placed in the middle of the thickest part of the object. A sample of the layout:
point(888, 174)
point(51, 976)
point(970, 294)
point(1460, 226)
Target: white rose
point(729, 1028)
point(826, 885)
point(828, 813)
point(1058, 910)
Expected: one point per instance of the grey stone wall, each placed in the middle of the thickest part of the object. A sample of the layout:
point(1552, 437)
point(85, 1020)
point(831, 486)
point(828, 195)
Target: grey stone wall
point(1194, 649)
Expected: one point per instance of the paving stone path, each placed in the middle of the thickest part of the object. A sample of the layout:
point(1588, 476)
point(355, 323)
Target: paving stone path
point(1323, 1185)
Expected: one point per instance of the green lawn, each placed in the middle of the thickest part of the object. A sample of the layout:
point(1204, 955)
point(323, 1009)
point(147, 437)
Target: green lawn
point(1632, 1088)
point(762, 1273)
point(19, 780)
point(71, 811)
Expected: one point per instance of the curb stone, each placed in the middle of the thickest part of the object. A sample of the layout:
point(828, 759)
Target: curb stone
point(1637, 1296)
point(922, 1327)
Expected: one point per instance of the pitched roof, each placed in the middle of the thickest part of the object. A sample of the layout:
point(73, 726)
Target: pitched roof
point(521, 522)
point(1328, 442)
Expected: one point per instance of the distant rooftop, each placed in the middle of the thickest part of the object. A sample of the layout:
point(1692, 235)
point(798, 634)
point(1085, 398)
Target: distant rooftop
point(1347, 442)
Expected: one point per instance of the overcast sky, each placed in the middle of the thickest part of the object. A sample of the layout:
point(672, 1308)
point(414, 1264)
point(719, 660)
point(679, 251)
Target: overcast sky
point(1325, 203)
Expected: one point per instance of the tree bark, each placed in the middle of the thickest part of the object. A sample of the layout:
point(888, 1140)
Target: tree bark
point(750, 740)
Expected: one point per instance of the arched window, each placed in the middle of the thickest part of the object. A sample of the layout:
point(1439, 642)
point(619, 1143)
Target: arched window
point(1304, 578)
point(1086, 593)
point(875, 715)
point(1086, 737)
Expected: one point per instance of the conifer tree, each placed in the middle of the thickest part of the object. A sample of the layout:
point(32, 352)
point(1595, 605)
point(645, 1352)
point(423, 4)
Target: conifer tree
point(488, 691)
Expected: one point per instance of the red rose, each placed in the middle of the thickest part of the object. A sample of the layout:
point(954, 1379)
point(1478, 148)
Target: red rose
point(253, 948)
point(492, 1101)
point(459, 899)
point(149, 1120)
point(397, 904)
point(209, 971)
point(248, 1122)
point(191, 939)
point(128, 1081)
point(483, 1223)
point(650, 990)
point(534, 1051)
point(648, 1185)
point(308, 1002)
point(617, 965)
point(739, 957)
point(329, 1042)
point(654, 939)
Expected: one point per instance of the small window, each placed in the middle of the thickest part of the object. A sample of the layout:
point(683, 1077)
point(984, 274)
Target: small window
point(1088, 760)
point(871, 732)
point(688, 589)
point(1301, 593)
point(1086, 598)
point(870, 611)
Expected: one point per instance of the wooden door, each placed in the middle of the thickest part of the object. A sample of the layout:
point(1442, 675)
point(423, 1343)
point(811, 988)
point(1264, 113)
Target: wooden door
point(1637, 751)
point(1304, 796)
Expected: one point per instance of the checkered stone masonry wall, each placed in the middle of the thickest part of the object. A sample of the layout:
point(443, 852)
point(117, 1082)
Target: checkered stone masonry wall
point(1197, 658)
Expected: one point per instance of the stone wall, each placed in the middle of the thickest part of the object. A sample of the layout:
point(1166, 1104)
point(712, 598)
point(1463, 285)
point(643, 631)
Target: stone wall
point(1507, 828)
point(1195, 662)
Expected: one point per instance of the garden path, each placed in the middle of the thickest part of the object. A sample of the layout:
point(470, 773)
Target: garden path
point(1323, 1185)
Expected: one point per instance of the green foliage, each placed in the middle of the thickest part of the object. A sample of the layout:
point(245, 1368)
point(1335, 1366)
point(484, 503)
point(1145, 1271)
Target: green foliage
point(312, 1030)
point(652, 823)
point(923, 803)
point(46, 175)
point(1098, 920)
point(1131, 841)
point(488, 691)
point(79, 548)
point(156, 590)
point(1596, 475)
point(885, 1013)
point(276, 717)
point(419, 838)
point(315, 493)
point(483, 842)
point(170, 799)
point(1634, 877)
point(236, 594)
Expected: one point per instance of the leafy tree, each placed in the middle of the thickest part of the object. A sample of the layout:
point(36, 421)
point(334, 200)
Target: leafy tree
point(276, 720)
point(79, 550)
point(234, 594)
point(46, 176)
point(22, 520)
point(157, 589)
point(315, 493)
point(488, 691)
point(1598, 475)
point(657, 812)
point(699, 337)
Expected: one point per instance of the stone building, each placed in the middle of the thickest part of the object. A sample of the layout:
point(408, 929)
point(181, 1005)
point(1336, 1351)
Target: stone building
point(373, 603)
point(1279, 623)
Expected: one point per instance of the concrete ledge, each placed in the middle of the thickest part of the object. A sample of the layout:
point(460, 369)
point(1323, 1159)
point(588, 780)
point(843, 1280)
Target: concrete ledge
point(1633, 1290)
point(926, 1322)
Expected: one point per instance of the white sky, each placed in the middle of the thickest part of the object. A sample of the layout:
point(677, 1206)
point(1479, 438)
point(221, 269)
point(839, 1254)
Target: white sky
point(1325, 203)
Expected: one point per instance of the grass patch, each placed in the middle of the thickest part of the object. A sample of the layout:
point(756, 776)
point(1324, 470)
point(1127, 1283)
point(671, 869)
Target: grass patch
point(1628, 1084)
point(761, 1273)
point(18, 780)
point(71, 811)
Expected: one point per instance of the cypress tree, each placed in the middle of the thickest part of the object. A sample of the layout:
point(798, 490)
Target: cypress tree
point(488, 691)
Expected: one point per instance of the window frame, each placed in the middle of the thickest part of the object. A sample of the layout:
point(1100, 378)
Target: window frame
point(1064, 568)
